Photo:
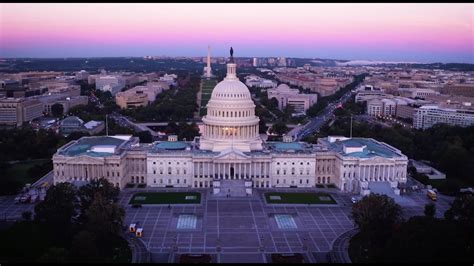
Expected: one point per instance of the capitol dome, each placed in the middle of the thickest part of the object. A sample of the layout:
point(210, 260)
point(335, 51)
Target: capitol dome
point(230, 122)
point(283, 86)
point(230, 89)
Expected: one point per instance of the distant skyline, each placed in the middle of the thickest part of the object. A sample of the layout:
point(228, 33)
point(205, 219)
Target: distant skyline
point(423, 33)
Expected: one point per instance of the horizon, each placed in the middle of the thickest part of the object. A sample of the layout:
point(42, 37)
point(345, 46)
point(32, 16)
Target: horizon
point(377, 32)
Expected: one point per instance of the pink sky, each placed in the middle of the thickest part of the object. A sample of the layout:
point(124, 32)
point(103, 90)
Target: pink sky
point(424, 32)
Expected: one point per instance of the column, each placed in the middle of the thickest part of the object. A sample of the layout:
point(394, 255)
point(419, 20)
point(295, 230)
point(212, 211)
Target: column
point(245, 170)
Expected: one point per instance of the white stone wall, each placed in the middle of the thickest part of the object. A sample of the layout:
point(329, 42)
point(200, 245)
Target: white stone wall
point(165, 171)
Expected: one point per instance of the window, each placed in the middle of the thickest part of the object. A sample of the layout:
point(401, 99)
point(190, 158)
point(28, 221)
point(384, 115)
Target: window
point(154, 181)
point(177, 181)
point(278, 181)
point(169, 170)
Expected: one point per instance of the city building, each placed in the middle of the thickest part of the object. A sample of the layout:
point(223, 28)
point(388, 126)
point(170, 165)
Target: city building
point(462, 89)
point(416, 93)
point(256, 81)
point(16, 111)
point(169, 79)
point(429, 115)
point(65, 101)
point(230, 156)
point(82, 75)
point(72, 124)
point(113, 84)
point(140, 95)
point(287, 96)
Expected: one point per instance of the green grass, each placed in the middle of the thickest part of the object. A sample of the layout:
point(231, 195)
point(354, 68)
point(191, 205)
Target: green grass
point(207, 87)
point(166, 198)
point(299, 198)
point(449, 186)
point(19, 171)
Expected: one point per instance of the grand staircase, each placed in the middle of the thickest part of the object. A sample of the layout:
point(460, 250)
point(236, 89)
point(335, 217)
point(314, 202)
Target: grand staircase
point(234, 188)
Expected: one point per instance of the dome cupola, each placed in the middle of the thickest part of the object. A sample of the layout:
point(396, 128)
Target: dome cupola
point(230, 121)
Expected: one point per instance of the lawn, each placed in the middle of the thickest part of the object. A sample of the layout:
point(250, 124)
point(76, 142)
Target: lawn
point(449, 186)
point(299, 198)
point(207, 87)
point(165, 198)
point(20, 171)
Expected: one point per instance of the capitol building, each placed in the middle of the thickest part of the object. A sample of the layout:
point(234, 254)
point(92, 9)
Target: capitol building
point(231, 155)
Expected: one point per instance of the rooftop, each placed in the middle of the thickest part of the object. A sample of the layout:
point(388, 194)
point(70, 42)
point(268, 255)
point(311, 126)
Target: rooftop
point(172, 145)
point(371, 148)
point(92, 145)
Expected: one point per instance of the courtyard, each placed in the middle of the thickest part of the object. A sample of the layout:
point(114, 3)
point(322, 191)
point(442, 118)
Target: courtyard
point(247, 229)
point(244, 229)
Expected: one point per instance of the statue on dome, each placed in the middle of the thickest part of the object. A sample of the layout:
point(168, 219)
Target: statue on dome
point(231, 55)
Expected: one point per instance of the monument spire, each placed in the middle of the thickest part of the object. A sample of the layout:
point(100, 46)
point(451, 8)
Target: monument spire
point(207, 69)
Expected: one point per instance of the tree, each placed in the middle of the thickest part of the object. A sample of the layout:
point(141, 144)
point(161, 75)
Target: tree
point(57, 109)
point(279, 128)
point(430, 210)
point(26, 215)
point(462, 209)
point(101, 186)
point(58, 209)
point(376, 211)
point(55, 255)
point(376, 216)
point(144, 136)
point(104, 218)
point(84, 247)
point(262, 127)
point(424, 239)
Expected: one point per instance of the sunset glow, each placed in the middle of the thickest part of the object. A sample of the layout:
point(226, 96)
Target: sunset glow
point(402, 32)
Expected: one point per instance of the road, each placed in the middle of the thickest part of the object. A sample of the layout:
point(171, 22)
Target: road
point(340, 247)
point(315, 124)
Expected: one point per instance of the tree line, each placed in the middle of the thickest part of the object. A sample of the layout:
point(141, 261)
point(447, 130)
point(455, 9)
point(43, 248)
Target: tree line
point(385, 236)
point(71, 225)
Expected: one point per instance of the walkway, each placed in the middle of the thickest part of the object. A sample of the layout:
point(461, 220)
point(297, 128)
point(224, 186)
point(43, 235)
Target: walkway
point(340, 247)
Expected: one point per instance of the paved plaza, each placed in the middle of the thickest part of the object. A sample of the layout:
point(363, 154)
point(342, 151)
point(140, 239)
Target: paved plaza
point(240, 229)
point(245, 229)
